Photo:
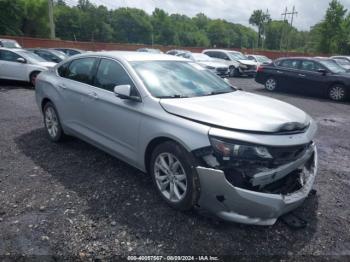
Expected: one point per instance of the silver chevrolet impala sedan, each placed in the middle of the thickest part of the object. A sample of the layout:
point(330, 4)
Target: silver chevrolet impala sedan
point(207, 145)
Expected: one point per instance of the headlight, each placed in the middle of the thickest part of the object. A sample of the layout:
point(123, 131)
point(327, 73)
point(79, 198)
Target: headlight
point(210, 67)
point(239, 150)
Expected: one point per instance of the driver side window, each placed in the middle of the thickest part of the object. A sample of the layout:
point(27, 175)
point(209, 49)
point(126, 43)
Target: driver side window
point(110, 74)
point(8, 56)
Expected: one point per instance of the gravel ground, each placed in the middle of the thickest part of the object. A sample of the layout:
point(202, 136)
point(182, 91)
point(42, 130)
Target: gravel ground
point(72, 199)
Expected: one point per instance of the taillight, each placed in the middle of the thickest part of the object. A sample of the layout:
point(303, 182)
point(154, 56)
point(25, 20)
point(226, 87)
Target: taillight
point(260, 69)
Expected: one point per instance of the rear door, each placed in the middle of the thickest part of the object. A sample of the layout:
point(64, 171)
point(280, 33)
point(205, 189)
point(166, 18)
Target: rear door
point(310, 81)
point(76, 90)
point(286, 73)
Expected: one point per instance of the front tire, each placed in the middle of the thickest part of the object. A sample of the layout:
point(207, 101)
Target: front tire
point(271, 84)
point(174, 176)
point(337, 92)
point(52, 123)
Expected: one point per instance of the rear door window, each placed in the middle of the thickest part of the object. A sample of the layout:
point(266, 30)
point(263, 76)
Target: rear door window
point(289, 63)
point(81, 70)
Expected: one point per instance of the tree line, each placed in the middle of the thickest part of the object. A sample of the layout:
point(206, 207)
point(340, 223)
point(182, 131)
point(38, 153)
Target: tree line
point(89, 22)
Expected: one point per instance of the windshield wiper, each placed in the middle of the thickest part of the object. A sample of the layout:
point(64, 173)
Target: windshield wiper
point(219, 92)
point(173, 96)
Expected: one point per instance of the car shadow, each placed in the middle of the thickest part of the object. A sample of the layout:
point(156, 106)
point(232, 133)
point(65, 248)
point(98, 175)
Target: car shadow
point(119, 192)
point(10, 84)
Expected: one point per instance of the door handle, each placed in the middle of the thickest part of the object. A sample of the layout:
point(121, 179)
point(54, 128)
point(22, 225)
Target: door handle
point(301, 75)
point(62, 86)
point(279, 72)
point(93, 95)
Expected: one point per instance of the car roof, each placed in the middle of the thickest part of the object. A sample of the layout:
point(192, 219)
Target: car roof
point(12, 49)
point(221, 50)
point(131, 56)
point(9, 40)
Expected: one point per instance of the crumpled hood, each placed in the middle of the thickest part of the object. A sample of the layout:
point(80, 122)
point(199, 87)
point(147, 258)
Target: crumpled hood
point(239, 111)
point(247, 62)
point(212, 64)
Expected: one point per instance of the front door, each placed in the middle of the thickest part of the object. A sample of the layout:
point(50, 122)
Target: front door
point(10, 68)
point(115, 121)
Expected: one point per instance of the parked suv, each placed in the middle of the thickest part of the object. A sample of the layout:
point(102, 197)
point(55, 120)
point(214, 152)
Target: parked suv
point(244, 157)
point(238, 63)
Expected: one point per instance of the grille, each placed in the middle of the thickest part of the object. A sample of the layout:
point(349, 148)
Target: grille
point(283, 155)
point(251, 67)
point(221, 69)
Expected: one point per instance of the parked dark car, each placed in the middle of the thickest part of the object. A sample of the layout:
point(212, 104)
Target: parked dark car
point(307, 76)
point(70, 51)
point(50, 55)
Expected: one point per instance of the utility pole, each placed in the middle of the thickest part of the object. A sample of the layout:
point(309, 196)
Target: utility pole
point(294, 12)
point(52, 23)
point(284, 19)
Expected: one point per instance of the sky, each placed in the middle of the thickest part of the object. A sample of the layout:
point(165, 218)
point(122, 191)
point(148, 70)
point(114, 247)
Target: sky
point(237, 11)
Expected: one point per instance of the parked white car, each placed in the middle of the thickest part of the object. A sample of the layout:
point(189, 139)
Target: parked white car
point(260, 59)
point(9, 43)
point(238, 63)
point(207, 62)
point(21, 65)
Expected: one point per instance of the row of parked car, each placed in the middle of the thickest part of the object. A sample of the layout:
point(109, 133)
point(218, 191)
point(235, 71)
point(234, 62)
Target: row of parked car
point(222, 62)
point(323, 76)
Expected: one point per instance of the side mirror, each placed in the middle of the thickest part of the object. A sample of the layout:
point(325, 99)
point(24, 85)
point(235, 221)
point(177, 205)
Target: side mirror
point(322, 71)
point(124, 92)
point(21, 60)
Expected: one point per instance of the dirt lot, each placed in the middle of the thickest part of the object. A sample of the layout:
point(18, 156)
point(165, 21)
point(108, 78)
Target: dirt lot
point(71, 199)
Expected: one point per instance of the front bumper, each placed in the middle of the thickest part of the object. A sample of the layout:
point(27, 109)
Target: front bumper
point(231, 203)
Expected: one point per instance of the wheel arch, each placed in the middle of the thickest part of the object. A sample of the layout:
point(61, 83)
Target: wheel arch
point(32, 72)
point(44, 101)
point(153, 144)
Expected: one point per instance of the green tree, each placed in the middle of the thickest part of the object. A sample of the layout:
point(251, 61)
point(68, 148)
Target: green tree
point(11, 15)
point(259, 19)
point(331, 28)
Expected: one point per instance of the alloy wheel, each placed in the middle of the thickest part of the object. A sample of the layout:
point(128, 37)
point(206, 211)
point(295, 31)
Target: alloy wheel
point(270, 84)
point(337, 93)
point(51, 122)
point(170, 177)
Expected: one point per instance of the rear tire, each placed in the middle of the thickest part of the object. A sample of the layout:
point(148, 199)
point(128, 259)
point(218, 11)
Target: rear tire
point(52, 123)
point(271, 84)
point(337, 92)
point(174, 176)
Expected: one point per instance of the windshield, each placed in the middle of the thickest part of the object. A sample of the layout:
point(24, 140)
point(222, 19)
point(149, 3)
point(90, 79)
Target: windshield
point(177, 79)
point(333, 66)
point(201, 57)
point(341, 61)
point(262, 59)
point(31, 56)
point(60, 54)
point(237, 56)
point(10, 44)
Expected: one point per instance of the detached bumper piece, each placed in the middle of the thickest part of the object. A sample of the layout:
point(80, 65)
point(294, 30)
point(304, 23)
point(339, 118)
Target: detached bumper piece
point(260, 198)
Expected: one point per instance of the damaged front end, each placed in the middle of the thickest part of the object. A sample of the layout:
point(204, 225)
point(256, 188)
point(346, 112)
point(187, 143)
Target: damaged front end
point(254, 184)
